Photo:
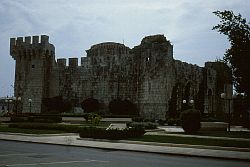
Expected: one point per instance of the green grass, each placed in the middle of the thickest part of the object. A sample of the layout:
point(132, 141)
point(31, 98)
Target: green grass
point(4, 128)
point(193, 141)
point(234, 134)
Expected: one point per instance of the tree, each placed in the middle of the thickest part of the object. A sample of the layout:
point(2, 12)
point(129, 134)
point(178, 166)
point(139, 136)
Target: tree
point(56, 105)
point(122, 107)
point(90, 105)
point(237, 56)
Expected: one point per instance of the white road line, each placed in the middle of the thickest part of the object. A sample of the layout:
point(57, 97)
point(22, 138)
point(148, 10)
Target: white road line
point(53, 163)
point(23, 154)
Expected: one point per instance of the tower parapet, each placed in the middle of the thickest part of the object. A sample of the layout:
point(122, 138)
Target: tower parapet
point(23, 46)
point(35, 59)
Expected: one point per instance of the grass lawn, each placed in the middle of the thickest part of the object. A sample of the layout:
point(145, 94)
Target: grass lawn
point(4, 128)
point(192, 141)
point(234, 134)
point(46, 128)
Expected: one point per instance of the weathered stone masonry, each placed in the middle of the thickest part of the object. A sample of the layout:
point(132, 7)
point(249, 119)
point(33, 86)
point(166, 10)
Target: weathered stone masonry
point(148, 75)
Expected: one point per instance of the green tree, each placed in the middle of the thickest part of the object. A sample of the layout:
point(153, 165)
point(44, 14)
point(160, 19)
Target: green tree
point(237, 56)
point(90, 105)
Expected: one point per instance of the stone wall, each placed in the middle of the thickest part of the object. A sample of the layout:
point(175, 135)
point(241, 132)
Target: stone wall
point(147, 75)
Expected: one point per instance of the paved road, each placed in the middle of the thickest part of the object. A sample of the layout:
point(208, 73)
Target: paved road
point(19, 154)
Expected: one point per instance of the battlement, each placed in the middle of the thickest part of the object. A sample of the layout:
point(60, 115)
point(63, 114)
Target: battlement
point(28, 44)
point(24, 41)
point(62, 62)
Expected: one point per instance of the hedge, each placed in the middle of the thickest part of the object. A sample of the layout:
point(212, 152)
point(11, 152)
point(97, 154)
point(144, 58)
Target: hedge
point(112, 134)
point(47, 126)
point(143, 125)
point(37, 118)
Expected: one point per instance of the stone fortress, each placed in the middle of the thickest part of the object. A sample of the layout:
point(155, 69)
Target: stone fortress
point(147, 75)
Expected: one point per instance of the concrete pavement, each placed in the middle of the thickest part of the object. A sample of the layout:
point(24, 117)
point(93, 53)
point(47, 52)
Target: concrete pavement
point(166, 148)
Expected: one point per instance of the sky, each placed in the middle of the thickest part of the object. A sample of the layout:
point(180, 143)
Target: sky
point(74, 26)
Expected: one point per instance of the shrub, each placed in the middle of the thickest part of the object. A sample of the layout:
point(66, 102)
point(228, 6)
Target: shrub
point(190, 120)
point(95, 119)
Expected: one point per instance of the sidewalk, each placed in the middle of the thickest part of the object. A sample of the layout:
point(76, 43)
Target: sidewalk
point(166, 148)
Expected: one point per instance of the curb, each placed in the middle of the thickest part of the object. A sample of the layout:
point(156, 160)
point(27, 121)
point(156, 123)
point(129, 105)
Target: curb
point(145, 150)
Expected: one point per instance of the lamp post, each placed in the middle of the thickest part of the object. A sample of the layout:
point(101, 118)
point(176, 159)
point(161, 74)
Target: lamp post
point(191, 102)
point(7, 101)
point(18, 101)
point(229, 98)
point(15, 103)
point(30, 101)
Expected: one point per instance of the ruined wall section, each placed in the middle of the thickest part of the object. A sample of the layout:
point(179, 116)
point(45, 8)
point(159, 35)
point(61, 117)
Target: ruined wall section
point(34, 58)
point(153, 60)
point(218, 80)
point(102, 75)
point(188, 81)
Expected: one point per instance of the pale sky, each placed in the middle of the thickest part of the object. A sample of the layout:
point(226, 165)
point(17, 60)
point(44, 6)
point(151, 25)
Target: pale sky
point(74, 26)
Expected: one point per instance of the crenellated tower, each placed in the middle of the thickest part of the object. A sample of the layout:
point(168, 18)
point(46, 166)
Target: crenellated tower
point(35, 59)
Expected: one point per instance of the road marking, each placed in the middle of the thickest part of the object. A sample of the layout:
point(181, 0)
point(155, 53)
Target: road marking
point(6, 155)
point(53, 163)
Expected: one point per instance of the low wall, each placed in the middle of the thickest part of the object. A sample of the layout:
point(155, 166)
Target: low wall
point(214, 126)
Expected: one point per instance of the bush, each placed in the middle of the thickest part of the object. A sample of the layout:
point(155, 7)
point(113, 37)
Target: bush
point(95, 119)
point(122, 107)
point(191, 120)
point(112, 134)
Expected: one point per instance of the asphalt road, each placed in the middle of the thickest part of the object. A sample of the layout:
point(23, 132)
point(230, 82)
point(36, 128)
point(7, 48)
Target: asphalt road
point(20, 154)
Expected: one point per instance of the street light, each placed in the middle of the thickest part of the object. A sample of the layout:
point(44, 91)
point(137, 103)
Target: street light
point(7, 101)
point(18, 101)
point(30, 100)
point(191, 102)
point(229, 98)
